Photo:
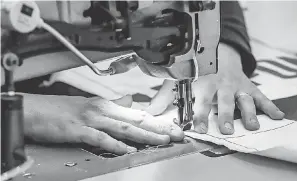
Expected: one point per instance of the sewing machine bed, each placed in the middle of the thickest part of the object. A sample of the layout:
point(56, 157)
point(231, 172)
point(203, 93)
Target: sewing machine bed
point(51, 162)
point(50, 159)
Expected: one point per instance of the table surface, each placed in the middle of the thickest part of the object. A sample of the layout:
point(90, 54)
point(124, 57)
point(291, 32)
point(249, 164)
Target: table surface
point(198, 167)
point(278, 28)
point(49, 166)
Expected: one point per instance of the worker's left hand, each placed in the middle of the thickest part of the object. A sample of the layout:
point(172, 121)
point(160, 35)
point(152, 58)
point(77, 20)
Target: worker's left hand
point(229, 86)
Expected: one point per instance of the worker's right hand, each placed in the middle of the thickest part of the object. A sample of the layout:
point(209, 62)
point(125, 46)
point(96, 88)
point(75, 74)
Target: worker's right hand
point(95, 121)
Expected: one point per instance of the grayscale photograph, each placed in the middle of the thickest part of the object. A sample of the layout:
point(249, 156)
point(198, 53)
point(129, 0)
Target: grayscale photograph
point(148, 90)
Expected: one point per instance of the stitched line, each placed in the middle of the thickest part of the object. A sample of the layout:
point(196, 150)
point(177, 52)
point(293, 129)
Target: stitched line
point(231, 142)
point(274, 128)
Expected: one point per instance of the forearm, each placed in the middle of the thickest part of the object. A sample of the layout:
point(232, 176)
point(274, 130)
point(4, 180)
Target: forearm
point(228, 57)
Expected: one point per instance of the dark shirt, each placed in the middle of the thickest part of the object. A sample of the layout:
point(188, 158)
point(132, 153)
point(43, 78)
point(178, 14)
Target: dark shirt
point(234, 33)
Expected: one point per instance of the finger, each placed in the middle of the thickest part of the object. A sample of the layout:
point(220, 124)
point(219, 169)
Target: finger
point(226, 107)
point(137, 118)
point(148, 122)
point(267, 106)
point(123, 130)
point(248, 112)
point(205, 90)
point(202, 108)
point(100, 139)
point(162, 99)
point(125, 101)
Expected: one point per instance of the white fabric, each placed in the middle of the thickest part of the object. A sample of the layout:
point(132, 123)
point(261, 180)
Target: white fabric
point(275, 139)
point(109, 87)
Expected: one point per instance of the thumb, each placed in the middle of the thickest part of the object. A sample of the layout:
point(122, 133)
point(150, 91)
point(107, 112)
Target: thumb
point(162, 99)
point(125, 101)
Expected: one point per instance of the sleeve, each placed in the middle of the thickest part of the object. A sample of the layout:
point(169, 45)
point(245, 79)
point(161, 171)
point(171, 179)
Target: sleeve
point(234, 33)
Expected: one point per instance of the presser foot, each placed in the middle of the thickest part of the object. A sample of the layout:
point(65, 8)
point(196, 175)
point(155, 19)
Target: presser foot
point(186, 126)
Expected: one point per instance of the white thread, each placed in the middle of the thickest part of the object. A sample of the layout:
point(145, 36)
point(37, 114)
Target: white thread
point(196, 68)
point(146, 151)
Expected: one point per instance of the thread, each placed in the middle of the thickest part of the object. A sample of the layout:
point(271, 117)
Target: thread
point(148, 150)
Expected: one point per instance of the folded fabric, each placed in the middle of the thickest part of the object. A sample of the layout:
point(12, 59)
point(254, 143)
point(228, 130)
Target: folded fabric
point(275, 139)
point(109, 87)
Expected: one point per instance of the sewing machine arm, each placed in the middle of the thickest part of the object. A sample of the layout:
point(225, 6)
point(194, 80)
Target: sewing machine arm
point(167, 36)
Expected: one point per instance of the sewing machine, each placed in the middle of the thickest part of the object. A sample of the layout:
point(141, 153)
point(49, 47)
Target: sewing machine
point(165, 163)
point(180, 41)
point(172, 40)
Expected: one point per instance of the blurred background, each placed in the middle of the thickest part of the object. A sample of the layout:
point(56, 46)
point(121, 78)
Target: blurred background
point(272, 26)
point(273, 22)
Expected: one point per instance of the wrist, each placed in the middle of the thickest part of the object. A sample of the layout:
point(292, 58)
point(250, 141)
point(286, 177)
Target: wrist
point(228, 57)
point(41, 110)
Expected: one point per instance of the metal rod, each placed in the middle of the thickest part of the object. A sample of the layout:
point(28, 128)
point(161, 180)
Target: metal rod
point(184, 101)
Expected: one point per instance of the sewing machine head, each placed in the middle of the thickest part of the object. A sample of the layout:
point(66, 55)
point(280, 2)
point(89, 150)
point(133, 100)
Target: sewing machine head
point(182, 46)
point(189, 46)
point(175, 39)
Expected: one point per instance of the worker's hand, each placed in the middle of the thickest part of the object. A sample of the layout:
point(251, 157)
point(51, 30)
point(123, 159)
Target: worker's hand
point(228, 86)
point(95, 121)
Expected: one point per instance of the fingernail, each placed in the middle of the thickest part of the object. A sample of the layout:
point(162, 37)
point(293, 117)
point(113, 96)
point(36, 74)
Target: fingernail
point(254, 124)
point(152, 110)
point(253, 121)
point(177, 134)
point(281, 113)
point(203, 127)
point(174, 127)
point(131, 149)
point(229, 126)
